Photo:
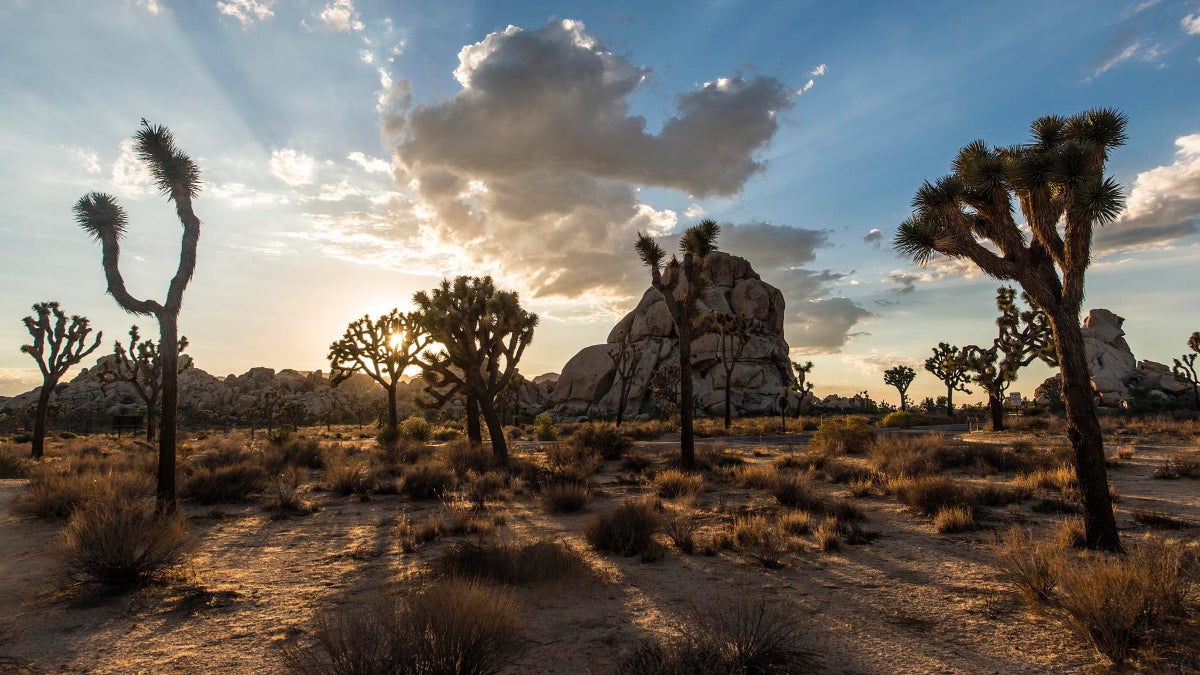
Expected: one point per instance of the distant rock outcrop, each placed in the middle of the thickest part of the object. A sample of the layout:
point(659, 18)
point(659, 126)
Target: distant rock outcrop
point(587, 385)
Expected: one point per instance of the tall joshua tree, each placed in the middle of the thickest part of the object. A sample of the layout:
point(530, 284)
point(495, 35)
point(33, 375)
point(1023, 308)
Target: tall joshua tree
point(1058, 181)
point(681, 283)
point(483, 333)
point(900, 377)
point(1023, 337)
point(141, 366)
point(381, 349)
point(801, 385)
point(99, 214)
point(56, 347)
point(1185, 367)
point(625, 355)
point(733, 334)
point(947, 365)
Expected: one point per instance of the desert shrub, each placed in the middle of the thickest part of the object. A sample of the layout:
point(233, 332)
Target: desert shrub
point(795, 490)
point(899, 419)
point(387, 437)
point(1031, 566)
point(841, 470)
point(281, 435)
point(1118, 602)
point(952, 519)
point(56, 494)
point(605, 440)
point(120, 542)
point(11, 465)
point(416, 429)
point(305, 453)
point(1060, 479)
point(649, 430)
point(795, 522)
point(410, 535)
point(827, 535)
point(1159, 519)
point(462, 455)
point(674, 483)
point(680, 527)
point(928, 494)
point(907, 455)
point(454, 626)
point(349, 477)
point(223, 484)
point(530, 562)
point(636, 463)
point(543, 428)
point(571, 462)
point(758, 476)
point(565, 496)
point(403, 451)
point(285, 493)
point(729, 636)
point(850, 434)
point(1179, 465)
point(627, 529)
point(485, 486)
point(761, 541)
point(446, 433)
point(427, 480)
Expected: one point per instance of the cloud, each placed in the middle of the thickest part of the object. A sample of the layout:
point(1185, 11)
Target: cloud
point(292, 167)
point(151, 6)
point(815, 73)
point(368, 163)
point(247, 12)
point(874, 238)
point(130, 177)
point(15, 381)
point(818, 71)
point(823, 326)
point(905, 281)
point(538, 155)
point(84, 158)
point(693, 211)
point(339, 16)
point(1191, 24)
point(1163, 206)
point(240, 195)
point(1141, 50)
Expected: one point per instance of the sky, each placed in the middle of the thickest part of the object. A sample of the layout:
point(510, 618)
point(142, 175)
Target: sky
point(356, 151)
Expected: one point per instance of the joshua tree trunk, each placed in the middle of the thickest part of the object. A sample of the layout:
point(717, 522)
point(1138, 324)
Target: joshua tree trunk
point(728, 400)
point(687, 445)
point(1083, 429)
point(393, 420)
point(39, 420)
point(495, 430)
point(950, 401)
point(151, 420)
point(996, 407)
point(474, 431)
point(169, 344)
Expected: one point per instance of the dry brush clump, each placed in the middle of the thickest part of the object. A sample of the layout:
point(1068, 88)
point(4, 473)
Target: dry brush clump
point(346, 476)
point(603, 439)
point(627, 529)
point(120, 542)
point(848, 434)
point(286, 490)
point(57, 491)
point(571, 462)
point(673, 483)
point(11, 464)
point(954, 519)
point(1180, 465)
point(729, 636)
point(427, 480)
point(530, 562)
point(453, 626)
point(565, 496)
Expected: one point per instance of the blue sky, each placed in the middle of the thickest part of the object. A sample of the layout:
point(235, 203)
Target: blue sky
point(356, 151)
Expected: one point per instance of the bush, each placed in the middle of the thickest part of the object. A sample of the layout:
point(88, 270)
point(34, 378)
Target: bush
point(928, 494)
point(416, 429)
point(952, 519)
point(758, 476)
point(731, 636)
point(462, 455)
point(571, 462)
point(565, 496)
point(304, 453)
point(827, 535)
point(603, 439)
point(1032, 566)
point(849, 434)
point(909, 456)
point(11, 465)
point(626, 530)
point(485, 486)
point(54, 494)
point(1179, 465)
point(530, 562)
point(428, 480)
point(223, 484)
point(286, 493)
point(446, 434)
point(674, 483)
point(347, 477)
point(452, 627)
point(795, 490)
point(120, 542)
point(680, 528)
point(543, 428)
point(387, 437)
point(900, 419)
point(281, 435)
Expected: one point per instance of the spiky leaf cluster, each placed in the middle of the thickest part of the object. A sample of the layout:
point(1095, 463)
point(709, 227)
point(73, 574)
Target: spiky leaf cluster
point(58, 343)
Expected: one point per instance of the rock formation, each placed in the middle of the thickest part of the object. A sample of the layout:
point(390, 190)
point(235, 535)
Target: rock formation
point(588, 383)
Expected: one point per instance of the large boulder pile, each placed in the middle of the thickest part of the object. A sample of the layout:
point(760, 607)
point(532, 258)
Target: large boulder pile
point(589, 386)
point(1117, 376)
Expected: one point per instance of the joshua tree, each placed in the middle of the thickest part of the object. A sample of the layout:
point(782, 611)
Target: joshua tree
point(681, 284)
point(801, 385)
point(483, 333)
point(1058, 181)
point(141, 366)
point(381, 349)
point(1024, 336)
point(177, 177)
point(56, 347)
point(1185, 367)
point(625, 355)
point(900, 377)
point(733, 334)
point(947, 365)
point(664, 389)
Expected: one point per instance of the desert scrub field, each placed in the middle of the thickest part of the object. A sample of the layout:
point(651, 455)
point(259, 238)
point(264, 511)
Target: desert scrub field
point(594, 551)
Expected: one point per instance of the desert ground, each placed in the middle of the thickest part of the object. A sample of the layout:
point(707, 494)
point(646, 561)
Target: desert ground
point(889, 595)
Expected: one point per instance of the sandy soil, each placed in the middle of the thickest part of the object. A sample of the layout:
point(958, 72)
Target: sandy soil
point(910, 601)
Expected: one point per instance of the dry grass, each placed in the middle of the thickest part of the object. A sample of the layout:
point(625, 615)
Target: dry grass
point(570, 462)
point(427, 480)
point(486, 486)
point(602, 439)
point(230, 483)
point(53, 493)
point(350, 477)
point(286, 493)
point(531, 562)
point(796, 490)
point(1160, 520)
point(953, 519)
point(1180, 465)
point(1030, 565)
point(827, 535)
point(680, 527)
point(843, 434)
point(120, 542)
point(11, 464)
point(673, 483)
point(929, 494)
point(565, 496)
point(626, 530)
point(462, 456)
point(757, 476)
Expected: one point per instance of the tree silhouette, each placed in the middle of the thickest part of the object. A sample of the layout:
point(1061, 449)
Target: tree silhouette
point(947, 365)
point(801, 385)
point(1185, 367)
point(625, 355)
point(381, 349)
point(56, 347)
point(1058, 181)
point(1023, 337)
point(900, 377)
point(483, 333)
point(681, 283)
point(140, 365)
point(99, 214)
point(733, 334)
